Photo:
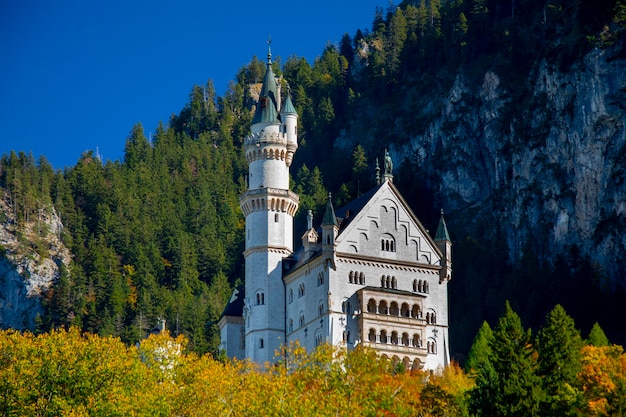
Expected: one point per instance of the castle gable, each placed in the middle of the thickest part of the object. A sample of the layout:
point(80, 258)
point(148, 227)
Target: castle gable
point(383, 226)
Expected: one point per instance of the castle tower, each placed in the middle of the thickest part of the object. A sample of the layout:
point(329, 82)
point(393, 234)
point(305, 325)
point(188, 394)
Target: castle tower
point(269, 207)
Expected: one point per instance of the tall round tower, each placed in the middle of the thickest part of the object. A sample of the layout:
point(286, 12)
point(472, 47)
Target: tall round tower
point(269, 207)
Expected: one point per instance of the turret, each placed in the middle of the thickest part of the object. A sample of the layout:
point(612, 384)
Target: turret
point(289, 117)
point(443, 242)
point(269, 207)
point(309, 238)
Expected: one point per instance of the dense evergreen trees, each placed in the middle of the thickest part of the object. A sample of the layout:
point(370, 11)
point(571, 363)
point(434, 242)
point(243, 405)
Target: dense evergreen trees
point(159, 234)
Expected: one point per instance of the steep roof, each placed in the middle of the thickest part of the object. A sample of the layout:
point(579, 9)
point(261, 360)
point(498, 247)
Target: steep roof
point(288, 107)
point(267, 107)
point(329, 215)
point(235, 304)
point(442, 230)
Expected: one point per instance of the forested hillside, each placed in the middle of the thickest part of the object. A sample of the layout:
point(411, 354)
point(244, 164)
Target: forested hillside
point(509, 115)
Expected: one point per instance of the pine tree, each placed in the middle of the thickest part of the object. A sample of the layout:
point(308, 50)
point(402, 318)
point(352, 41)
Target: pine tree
point(597, 336)
point(479, 363)
point(559, 361)
point(513, 388)
point(480, 352)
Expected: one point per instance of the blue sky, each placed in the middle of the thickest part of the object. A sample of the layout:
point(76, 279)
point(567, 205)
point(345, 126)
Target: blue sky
point(77, 75)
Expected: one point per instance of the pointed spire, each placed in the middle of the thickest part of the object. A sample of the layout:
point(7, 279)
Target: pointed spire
point(267, 107)
point(442, 230)
point(329, 215)
point(288, 107)
point(269, 49)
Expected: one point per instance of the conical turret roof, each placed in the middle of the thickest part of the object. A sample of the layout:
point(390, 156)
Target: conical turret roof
point(442, 230)
point(267, 107)
point(329, 215)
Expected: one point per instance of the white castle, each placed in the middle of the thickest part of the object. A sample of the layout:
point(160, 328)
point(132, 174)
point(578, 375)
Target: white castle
point(369, 275)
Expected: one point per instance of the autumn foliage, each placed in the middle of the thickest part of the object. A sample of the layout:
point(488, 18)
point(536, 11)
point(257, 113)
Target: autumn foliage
point(69, 373)
point(74, 374)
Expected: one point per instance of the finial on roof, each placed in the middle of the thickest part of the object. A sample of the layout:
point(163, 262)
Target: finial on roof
point(309, 220)
point(388, 167)
point(269, 49)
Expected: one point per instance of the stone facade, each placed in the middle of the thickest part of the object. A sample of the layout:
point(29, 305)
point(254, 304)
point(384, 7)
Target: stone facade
point(370, 274)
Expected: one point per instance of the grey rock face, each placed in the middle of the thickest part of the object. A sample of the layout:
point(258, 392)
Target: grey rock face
point(26, 273)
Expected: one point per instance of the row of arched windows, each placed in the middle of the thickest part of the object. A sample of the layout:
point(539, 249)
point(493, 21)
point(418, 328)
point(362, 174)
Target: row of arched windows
point(420, 286)
point(403, 310)
point(393, 309)
point(389, 282)
point(387, 245)
point(394, 338)
point(356, 278)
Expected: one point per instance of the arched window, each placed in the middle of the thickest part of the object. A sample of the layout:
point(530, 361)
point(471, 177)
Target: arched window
point(388, 244)
point(260, 298)
point(382, 308)
point(320, 309)
point(426, 289)
point(362, 278)
point(290, 295)
point(394, 338)
point(416, 341)
point(351, 277)
point(276, 218)
point(318, 338)
point(301, 290)
point(382, 281)
point(393, 309)
point(320, 279)
point(404, 310)
point(371, 306)
point(290, 325)
point(414, 285)
point(383, 336)
point(301, 320)
point(420, 286)
point(405, 339)
point(416, 312)
point(261, 344)
point(394, 283)
point(371, 335)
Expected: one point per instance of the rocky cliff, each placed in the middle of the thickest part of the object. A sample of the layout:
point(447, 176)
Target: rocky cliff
point(30, 257)
point(541, 162)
